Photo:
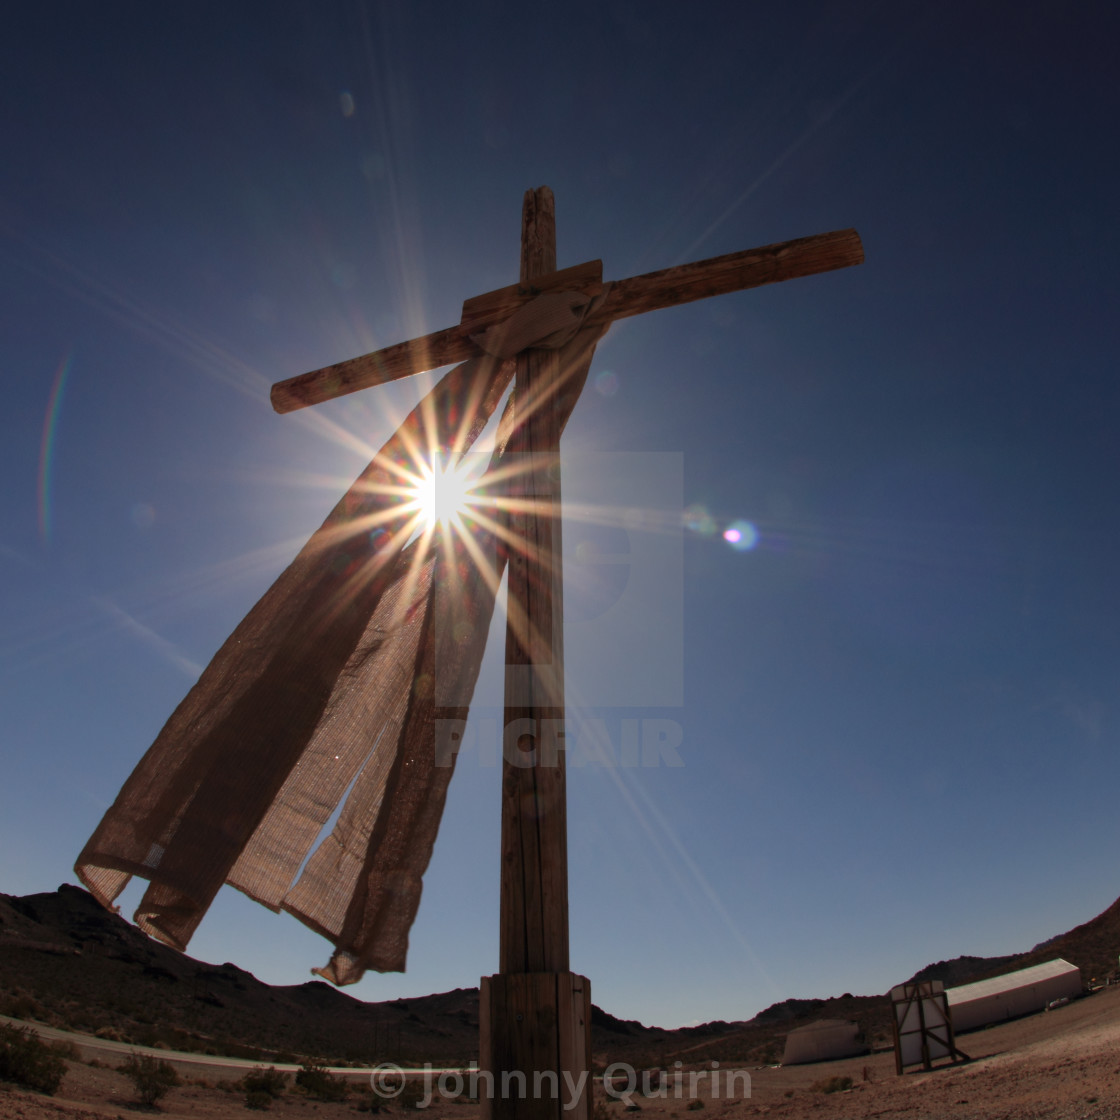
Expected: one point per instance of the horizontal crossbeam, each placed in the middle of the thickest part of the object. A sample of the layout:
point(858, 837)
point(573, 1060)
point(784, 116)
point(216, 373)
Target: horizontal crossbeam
point(752, 268)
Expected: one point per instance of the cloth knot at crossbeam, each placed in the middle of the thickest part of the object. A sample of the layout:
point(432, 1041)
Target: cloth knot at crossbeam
point(548, 322)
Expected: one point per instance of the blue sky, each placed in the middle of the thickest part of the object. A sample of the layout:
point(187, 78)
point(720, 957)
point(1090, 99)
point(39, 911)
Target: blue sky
point(899, 727)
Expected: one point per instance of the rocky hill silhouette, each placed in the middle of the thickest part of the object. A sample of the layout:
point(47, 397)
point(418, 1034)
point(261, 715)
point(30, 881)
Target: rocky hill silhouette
point(67, 961)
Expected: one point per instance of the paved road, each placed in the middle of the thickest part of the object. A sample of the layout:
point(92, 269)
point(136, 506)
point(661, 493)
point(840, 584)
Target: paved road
point(106, 1050)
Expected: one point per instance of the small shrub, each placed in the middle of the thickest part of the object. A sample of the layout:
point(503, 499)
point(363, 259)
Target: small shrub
point(152, 1077)
point(315, 1080)
point(28, 1061)
point(831, 1085)
point(262, 1087)
point(270, 1081)
point(695, 1104)
point(410, 1096)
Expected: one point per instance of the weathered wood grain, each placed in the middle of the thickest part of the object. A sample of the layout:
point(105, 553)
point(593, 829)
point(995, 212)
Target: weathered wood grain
point(733, 272)
point(400, 360)
point(534, 874)
point(752, 268)
point(537, 1025)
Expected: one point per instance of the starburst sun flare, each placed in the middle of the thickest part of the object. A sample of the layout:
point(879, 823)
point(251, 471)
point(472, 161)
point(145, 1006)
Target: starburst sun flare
point(444, 492)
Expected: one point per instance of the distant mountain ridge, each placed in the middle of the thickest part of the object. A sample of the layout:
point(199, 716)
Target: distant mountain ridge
point(65, 960)
point(963, 970)
point(1093, 946)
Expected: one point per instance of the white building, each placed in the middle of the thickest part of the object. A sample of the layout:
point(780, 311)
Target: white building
point(1011, 995)
point(822, 1041)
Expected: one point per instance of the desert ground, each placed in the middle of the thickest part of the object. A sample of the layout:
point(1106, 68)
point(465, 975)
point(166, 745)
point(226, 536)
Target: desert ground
point(1057, 1065)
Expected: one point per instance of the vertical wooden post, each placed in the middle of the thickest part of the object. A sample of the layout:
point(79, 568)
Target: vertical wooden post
point(534, 898)
point(535, 1015)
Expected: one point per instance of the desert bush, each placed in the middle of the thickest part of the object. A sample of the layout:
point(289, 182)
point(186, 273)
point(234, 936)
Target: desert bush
point(831, 1085)
point(695, 1105)
point(315, 1080)
point(367, 1102)
point(270, 1081)
point(262, 1086)
point(152, 1077)
point(28, 1061)
point(410, 1096)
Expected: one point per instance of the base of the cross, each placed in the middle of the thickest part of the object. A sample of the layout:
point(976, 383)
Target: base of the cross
point(535, 1043)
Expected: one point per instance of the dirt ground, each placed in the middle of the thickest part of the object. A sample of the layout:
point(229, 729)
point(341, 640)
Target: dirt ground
point(1059, 1065)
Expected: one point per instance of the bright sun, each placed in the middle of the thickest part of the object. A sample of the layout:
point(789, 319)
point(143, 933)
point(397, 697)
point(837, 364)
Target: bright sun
point(444, 493)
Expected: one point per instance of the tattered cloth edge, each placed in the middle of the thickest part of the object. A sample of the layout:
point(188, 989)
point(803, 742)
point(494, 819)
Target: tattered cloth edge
point(334, 665)
point(383, 905)
point(196, 800)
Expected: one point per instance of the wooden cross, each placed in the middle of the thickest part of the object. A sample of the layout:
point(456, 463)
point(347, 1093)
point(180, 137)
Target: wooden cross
point(535, 1014)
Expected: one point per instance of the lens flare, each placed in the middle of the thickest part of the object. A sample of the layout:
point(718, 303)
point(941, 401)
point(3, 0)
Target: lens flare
point(606, 383)
point(697, 519)
point(741, 535)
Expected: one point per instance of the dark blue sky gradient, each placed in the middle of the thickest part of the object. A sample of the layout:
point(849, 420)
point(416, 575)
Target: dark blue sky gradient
point(900, 722)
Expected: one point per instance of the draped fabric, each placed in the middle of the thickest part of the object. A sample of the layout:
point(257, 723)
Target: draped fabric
point(325, 691)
